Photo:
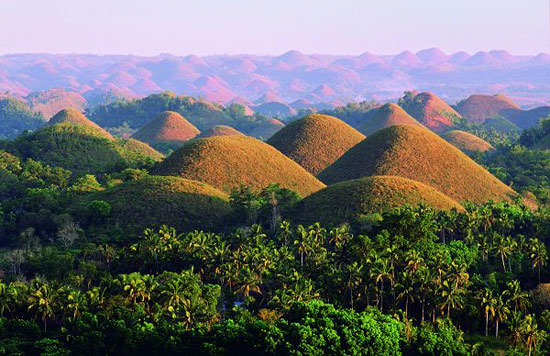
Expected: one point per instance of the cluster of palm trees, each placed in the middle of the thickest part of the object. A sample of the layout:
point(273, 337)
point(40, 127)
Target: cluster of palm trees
point(179, 297)
point(420, 264)
point(421, 278)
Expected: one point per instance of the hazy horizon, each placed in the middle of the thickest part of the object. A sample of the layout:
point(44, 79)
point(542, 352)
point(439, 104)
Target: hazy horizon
point(214, 27)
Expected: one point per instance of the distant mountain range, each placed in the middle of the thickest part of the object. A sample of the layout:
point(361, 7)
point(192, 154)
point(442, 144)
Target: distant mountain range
point(293, 77)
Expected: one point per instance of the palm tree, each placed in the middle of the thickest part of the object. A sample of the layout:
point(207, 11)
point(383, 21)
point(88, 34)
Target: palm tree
point(250, 282)
point(515, 325)
point(414, 260)
point(501, 312)
point(515, 296)
point(353, 278)
point(538, 254)
point(450, 296)
point(487, 303)
point(75, 302)
point(7, 295)
point(504, 248)
point(173, 295)
point(382, 271)
point(407, 290)
point(43, 301)
point(303, 244)
point(532, 334)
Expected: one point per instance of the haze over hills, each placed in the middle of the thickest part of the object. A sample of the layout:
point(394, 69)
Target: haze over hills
point(290, 77)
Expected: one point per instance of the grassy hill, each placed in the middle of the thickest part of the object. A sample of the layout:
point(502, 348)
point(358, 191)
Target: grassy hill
point(16, 117)
point(153, 201)
point(477, 108)
point(416, 153)
point(430, 110)
point(387, 115)
point(501, 124)
point(265, 129)
point(81, 150)
point(220, 130)
point(226, 162)
point(75, 117)
point(315, 141)
point(347, 201)
point(168, 127)
point(526, 119)
point(467, 142)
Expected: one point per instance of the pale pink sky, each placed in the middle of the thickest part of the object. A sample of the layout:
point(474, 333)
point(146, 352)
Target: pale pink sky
point(271, 27)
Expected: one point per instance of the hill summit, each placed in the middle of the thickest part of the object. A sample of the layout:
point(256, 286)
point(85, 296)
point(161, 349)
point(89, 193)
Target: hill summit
point(416, 153)
point(467, 142)
point(75, 117)
point(430, 110)
point(346, 201)
point(220, 130)
point(167, 127)
point(227, 162)
point(477, 108)
point(387, 115)
point(315, 141)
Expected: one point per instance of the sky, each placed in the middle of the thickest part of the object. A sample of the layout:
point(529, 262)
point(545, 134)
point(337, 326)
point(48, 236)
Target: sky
point(202, 27)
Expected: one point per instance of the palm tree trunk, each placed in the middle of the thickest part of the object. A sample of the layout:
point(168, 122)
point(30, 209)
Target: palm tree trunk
point(496, 328)
point(503, 264)
point(423, 306)
point(449, 310)
point(486, 323)
point(407, 308)
point(382, 295)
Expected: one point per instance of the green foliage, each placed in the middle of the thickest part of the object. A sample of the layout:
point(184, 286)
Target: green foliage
point(137, 113)
point(16, 117)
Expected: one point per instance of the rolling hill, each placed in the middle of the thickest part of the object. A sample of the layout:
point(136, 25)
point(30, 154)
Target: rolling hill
point(477, 108)
point(226, 162)
point(154, 201)
point(467, 142)
point(75, 117)
point(346, 201)
point(416, 153)
point(168, 127)
point(526, 119)
point(16, 117)
point(82, 149)
point(387, 115)
point(430, 110)
point(315, 141)
point(220, 130)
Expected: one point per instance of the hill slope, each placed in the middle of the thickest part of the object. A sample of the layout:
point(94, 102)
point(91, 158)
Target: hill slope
point(16, 117)
point(477, 108)
point(75, 117)
point(387, 115)
point(430, 110)
point(526, 119)
point(416, 153)
point(81, 150)
point(220, 130)
point(315, 141)
point(153, 201)
point(167, 127)
point(226, 162)
point(467, 142)
point(346, 201)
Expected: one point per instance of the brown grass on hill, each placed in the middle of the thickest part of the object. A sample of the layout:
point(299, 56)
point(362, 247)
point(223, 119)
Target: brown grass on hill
point(387, 115)
point(167, 127)
point(416, 153)
point(316, 141)
point(346, 201)
point(220, 130)
point(430, 110)
point(467, 142)
point(153, 201)
point(226, 162)
point(132, 150)
point(75, 117)
point(478, 107)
